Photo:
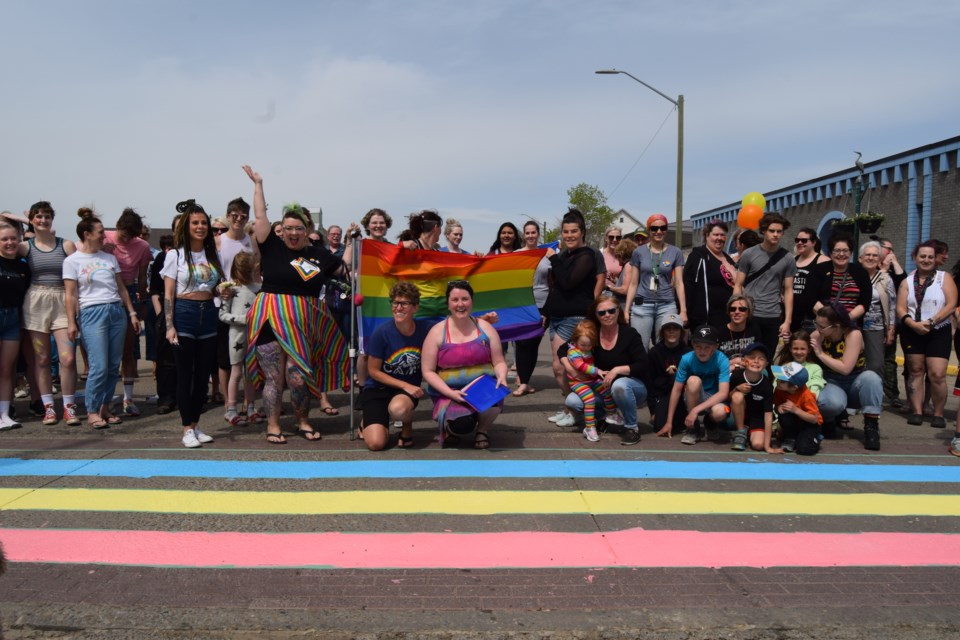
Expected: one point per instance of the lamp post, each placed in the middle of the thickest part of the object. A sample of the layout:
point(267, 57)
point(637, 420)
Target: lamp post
point(678, 103)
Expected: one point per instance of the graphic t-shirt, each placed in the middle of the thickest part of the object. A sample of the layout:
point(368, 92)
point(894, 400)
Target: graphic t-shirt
point(757, 401)
point(400, 354)
point(96, 276)
point(198, 276)
point(712, 372)
point(14, 280)
point(732, 343)
point(295, 273)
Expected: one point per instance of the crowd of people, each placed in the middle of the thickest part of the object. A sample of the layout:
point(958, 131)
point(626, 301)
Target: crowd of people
point(766, 349)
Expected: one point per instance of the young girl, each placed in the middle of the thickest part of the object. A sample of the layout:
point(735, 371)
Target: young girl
point(580, 355)
point(797, 349)
point(664, 359)
point(246, 281)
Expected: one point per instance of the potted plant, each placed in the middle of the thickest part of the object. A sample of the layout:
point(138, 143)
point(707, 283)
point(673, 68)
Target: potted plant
point(869, 222)
point(843, 223)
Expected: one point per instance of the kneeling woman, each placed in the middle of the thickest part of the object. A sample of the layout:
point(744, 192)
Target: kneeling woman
point(456, 352)
point(838, 344)
point(392, 390)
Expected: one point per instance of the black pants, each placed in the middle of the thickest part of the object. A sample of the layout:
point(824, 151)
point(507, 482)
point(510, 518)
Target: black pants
point(769, 334)
point(166, 366)
point(660, 405)
point(193, 358)
point(804, 434)
point(527, 351)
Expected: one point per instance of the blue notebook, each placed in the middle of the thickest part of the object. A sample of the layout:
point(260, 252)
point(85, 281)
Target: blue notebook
point(483, 393)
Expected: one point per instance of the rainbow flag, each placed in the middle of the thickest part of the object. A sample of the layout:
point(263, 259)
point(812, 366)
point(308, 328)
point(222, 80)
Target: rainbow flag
point(501, 283)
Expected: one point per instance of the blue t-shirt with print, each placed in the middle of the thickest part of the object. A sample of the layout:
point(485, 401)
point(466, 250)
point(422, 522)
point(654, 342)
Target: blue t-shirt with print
point(712, 372)
point(400, 354)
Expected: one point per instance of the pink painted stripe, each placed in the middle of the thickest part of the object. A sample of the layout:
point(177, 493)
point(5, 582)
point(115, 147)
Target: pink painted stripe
point(629, 548)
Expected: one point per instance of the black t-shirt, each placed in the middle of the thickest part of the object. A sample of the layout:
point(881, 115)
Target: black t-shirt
point(14, 280)
point(156, 280)
point(759, 400)
point(732, 343)
point(296, 273)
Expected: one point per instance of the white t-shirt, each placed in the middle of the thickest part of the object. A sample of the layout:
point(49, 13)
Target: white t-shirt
point(201, 277)
point(96, 276)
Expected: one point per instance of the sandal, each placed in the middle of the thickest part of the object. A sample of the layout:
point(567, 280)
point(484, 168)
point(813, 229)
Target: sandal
point(99, 424)
point(256, 417)
point(330, 410)
point(218, 398)
point(404, 442)
point(522, 392)
point(276, 438)
point(481, 441)
point(236, 420)
point(114, 420)
point(309, 434)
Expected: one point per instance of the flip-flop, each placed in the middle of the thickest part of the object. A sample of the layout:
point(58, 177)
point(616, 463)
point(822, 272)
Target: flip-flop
point(114, 420)
point(330, 410)
point(99, 424)
point(309, 434)
point(405, 442)
point(527, 391)
point(277, 438)
point(481, 441)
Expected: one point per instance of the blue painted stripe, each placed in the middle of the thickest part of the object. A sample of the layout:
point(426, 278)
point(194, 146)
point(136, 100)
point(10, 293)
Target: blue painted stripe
point(788, 471)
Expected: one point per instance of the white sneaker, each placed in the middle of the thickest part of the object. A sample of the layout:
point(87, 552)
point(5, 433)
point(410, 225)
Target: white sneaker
point(558, 416)
point(614, 418)
point(566, 421)
point(190, 440)
point(590, 433)
point(6, 423)
point(201, 436)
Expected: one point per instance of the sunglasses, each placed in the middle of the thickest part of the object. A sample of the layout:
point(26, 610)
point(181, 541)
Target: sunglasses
point(657, 229)
point(614, 237)
point(606, 312)
point(801, 241)
point(218, 230)
point(739, 309)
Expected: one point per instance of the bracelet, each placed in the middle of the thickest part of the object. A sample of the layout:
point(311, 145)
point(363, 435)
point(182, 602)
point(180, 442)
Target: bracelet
point(904, 318)
point(133, 313)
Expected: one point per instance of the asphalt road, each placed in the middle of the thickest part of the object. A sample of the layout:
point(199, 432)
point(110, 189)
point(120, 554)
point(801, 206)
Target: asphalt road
point(124, 533)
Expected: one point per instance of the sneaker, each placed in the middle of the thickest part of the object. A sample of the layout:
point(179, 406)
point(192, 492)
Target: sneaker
point(559, 415)
point(256, 416)
point(690, 437)
point(630, 437)
point(590, 433)
point(152, 398)
point(614, 418)
point(7, 423)
point(130, 409)
point(163, 409)
point(955, 446)
point(49, 415)
point(896, 403)
point(201, 436)
point(36, 408)
point(789, 445)
point(21, 392)
point(712, 430)
point(190, 440)
point(54, 390)
point(70, 415)
point(566, 421)
point(739, 441)
point(871, 433)
point(938, 422)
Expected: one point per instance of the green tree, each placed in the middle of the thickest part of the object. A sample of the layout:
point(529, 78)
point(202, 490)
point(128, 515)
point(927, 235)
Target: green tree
point(592, 203)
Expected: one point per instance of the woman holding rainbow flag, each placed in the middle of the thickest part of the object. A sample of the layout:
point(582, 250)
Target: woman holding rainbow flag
point(290, 337)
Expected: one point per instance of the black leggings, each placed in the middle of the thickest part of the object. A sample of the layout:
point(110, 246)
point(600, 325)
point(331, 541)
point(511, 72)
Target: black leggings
point(194, 359)
point(527, 351)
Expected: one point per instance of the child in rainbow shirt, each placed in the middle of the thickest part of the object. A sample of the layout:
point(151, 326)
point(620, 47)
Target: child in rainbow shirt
point(591, 388)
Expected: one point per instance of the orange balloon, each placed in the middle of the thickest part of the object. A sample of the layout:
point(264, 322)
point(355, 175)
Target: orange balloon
point(749, 217)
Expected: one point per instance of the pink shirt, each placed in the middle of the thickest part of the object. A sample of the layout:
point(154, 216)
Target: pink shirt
point(132, 256)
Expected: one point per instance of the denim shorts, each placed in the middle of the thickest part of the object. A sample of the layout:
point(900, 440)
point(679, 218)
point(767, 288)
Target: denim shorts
point(195, 319)
point(10, 323)
point(564, 327)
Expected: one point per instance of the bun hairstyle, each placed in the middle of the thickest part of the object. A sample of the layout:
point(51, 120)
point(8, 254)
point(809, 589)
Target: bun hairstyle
point(836, 313)
point(188, 207)
point(424, 222)
point(574, 216)
point(88, 221)
point(450, 225)
point(181, 238)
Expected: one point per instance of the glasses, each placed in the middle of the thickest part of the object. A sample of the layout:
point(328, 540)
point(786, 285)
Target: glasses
point(606, 312)
point(457, 284)
point(218, 230)
point(840, 252)
point(292, 229)
point(614, 237)
point(890, 248)
point(401, 304)
point(739, 309)
point(657, 229)
point(821, 327)
point(801, 241)
point(875, 256)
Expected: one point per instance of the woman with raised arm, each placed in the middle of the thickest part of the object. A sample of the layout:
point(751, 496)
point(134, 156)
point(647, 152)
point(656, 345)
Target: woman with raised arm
point(45, 312)
point(98, 306)
point(290, 337)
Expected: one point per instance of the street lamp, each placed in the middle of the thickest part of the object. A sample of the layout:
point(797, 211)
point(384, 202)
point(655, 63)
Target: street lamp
point(678, 103)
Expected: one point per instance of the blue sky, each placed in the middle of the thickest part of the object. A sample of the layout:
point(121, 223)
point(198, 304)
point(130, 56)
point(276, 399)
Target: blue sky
point(486, 111)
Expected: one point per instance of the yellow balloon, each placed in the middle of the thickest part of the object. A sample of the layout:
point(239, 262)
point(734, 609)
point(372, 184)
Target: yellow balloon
point(754, 198)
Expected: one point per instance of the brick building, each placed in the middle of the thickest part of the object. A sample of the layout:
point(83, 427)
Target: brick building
point(918, 192)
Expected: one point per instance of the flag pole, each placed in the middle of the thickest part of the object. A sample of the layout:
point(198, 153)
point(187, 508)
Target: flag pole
point(354, 332)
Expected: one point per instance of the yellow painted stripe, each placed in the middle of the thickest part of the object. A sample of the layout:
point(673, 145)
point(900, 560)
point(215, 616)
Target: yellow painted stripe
point(478, 502)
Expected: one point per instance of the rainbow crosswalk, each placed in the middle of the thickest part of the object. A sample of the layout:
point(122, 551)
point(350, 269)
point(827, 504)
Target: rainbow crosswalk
point(633, 507)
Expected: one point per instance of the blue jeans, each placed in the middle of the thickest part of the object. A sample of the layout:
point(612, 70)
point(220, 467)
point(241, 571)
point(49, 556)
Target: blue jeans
point(628, 393)
point(10, 323)
point(864, 392)
point(195, 319)
point(103, 328)
point(646, 318)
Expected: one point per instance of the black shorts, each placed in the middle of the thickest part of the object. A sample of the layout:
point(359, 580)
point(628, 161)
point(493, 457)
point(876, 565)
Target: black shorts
point(936, 344)
point(375, 403)
point(223, 345)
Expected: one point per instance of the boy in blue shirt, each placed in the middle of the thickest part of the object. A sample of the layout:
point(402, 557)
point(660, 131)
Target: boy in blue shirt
point(703, 379)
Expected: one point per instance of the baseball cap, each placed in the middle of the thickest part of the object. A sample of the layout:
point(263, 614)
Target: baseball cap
point(792, 373)
point(705, 333)
point(672, 319)
point(757, 346)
